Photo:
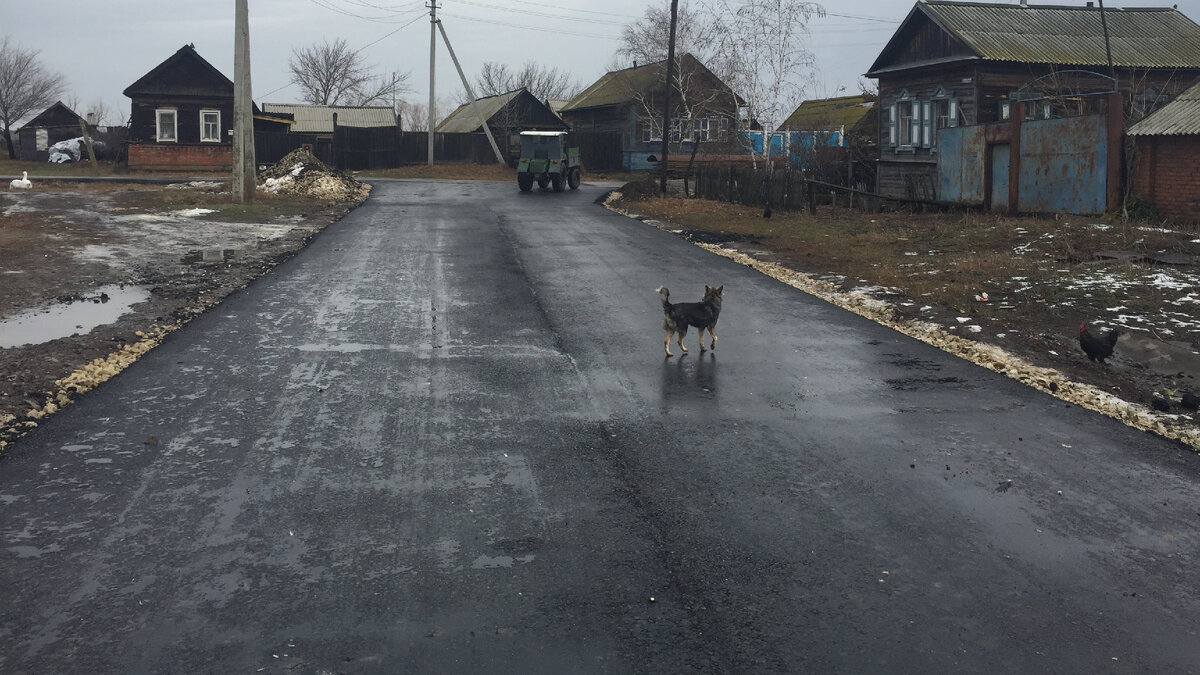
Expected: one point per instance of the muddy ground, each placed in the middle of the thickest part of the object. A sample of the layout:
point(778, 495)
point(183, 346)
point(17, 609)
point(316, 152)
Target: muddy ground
point(135, 260)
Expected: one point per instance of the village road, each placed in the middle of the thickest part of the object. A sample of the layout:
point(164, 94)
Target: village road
point(443, 438)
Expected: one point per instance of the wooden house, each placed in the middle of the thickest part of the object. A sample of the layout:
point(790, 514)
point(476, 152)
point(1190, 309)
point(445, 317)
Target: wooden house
point(54, 124)
point(507, 115)
point(181, 116)
point(628, 105)
point(1166, 154)
point(955, 64)
point(831, 137)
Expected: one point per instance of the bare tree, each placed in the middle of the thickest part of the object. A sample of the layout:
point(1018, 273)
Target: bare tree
point(645, 41)
point(333, 74)
point(26, 87)
point(761, 50)
point(414, 116)
point(543, 81)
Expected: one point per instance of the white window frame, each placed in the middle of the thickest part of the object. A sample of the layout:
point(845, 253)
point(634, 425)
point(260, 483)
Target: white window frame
point(937, 120)
point(904, 133)
point(159, 126)
point(908, 125)
point(651, 133)
point(700, 130)
point(216, 137)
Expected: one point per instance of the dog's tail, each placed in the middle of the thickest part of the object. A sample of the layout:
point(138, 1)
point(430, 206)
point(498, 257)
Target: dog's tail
point(665, 295)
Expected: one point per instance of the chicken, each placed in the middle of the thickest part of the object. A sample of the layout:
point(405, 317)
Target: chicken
point(1190, 401)
point(1097, 347)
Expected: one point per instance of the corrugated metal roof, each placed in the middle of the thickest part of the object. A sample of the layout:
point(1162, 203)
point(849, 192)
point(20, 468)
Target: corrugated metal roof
point(620, 86)
point(1140, 37)
point(1180, 117)
point(828, 112)
point(464, 120)
point(617, 87)
point(319, 118)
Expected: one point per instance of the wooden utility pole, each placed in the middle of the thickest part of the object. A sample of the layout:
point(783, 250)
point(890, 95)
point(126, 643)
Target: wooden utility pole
point(666, 124)
point(245, 181)
point(432, 58)
point(471, 96)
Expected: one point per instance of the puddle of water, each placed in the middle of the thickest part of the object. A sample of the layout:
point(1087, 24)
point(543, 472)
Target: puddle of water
point(102, 306)
point(208, 255)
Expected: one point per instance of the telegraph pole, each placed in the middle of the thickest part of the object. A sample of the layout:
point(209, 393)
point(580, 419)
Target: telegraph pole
point(471, 97)
point(244, 178)
point(432, 56)
point(666, 125)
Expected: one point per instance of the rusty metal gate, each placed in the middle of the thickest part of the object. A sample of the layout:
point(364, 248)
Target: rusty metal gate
point(1061, 165)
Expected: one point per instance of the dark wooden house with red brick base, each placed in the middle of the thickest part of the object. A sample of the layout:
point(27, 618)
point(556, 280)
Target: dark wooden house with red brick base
point(1012, 70)
point(182, 116)
point(1166, 158)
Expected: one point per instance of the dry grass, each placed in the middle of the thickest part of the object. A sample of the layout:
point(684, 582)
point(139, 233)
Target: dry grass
point(947, 258)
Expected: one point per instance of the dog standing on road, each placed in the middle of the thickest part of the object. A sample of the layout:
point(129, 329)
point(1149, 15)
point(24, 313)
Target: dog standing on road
point(703, 315)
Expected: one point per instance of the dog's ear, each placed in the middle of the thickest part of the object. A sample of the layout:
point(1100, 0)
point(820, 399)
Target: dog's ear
point(718, 289)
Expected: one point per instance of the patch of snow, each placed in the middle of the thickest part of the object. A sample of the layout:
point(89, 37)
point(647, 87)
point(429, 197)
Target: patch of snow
point(192, 213)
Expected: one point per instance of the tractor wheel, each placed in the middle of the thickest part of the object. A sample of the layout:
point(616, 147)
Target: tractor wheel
point(525, 182)
point(543, 181)
point(573, 179)
point(557, 180)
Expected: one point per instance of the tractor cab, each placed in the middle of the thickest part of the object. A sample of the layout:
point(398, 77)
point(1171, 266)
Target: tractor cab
point(546, 161)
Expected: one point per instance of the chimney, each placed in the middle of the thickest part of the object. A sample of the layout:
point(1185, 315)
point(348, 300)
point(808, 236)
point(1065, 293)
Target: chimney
point(91, 119)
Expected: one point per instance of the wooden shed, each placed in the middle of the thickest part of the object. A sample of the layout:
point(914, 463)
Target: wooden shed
point(1166, 156)
point(54, 124)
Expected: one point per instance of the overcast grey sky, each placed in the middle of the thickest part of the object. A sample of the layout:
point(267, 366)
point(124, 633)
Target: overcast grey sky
point(103, 47)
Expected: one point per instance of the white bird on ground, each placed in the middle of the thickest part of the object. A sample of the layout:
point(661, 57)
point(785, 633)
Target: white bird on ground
point(21, 183)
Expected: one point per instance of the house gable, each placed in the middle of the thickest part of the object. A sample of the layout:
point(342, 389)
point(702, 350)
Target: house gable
point(57, 115)
point(918, 42)
point(511, 110)
point(186, 74)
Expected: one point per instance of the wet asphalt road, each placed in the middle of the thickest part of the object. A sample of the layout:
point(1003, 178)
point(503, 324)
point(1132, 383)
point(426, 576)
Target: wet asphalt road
point(444, 438)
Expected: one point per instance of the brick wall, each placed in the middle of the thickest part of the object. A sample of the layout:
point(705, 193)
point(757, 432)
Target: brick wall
point(171, 157)
point(1164, 171)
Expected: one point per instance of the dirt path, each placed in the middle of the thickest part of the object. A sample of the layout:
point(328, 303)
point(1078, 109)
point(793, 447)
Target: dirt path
point(94, 275)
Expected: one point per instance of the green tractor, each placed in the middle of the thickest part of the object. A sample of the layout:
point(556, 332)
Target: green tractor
point(545, 160)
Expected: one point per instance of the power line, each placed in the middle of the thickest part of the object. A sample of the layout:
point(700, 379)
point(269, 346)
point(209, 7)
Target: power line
point(862, 18)
point(422, 16)
point(388, 18)
point(624, 18)
point(534, 28)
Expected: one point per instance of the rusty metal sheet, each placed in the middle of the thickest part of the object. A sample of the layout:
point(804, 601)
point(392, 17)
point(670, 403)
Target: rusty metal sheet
point(1063, 165)
point(960, 165)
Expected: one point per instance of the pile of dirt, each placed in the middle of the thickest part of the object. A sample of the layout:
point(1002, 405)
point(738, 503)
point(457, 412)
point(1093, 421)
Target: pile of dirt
point(300, 173)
